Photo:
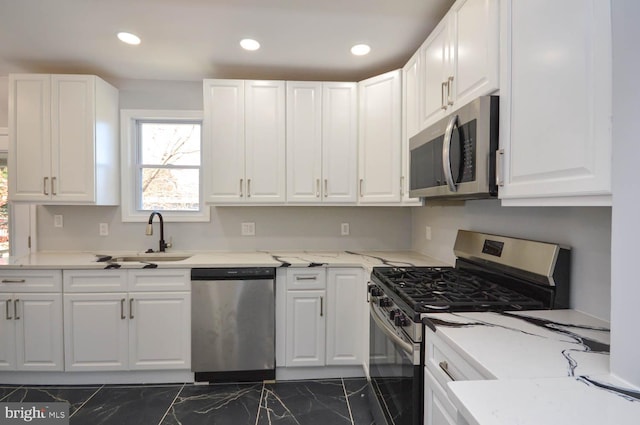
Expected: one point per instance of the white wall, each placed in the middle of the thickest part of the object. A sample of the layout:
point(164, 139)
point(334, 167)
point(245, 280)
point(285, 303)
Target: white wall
point(586, 230)
point(277, 228)
point(625, 284)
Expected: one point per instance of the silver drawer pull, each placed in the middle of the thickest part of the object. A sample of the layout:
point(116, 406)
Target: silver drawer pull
point(306, 277)
point(8, 307)
point(131, 308)
point(13, 281)
point(445, 368)
point(122, 315)
point(15, 309)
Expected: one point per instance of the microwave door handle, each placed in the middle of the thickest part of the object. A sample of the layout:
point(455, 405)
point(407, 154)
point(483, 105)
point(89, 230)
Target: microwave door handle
point(446, 156)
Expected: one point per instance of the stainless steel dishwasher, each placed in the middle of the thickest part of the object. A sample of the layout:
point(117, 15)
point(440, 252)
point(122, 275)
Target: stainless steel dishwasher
point(233, 324)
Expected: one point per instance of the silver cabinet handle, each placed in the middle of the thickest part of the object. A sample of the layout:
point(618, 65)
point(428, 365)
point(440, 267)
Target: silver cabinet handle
point(499, 167)
point(445, 368)
point(8, 308)
point(13, 281)
point(449, 90)
point(53, 185)
point(317, 188)
point(326, 187)
point(131, 308)
point(321, 306)
point(248, 188)
point(45, 183)
point(122, 315)
point(361, 181)
point(306, 277)
point(15, 309)
point(401, 185)
point(443, 104)
point(241, 181)
point(446, 158)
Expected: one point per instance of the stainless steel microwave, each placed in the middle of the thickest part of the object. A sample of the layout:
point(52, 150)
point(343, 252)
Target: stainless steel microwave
point(456, 157)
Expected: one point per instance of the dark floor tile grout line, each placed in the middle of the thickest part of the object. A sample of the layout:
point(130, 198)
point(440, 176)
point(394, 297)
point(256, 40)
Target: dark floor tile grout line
point(86, 401)
point(346, 397)
point(171, 405)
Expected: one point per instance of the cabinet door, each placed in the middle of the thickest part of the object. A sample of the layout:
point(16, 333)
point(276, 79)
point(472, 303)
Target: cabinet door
point(346, 293)
point(435, 54)
point(555, 103)
point(73, 138)
point(305, 328)
point(339, 142)
point(223, 141)
point(29, 137)
point(380, 138)
point(411, 124)
point(96, 331)
point(7, 333)
point(265, 141)
point(474, 62)
point(38, 321)
point(438, 409)
point(304, 141)
point(160, 330)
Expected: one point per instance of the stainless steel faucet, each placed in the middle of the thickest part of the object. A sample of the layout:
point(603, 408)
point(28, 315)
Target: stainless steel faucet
point(149, 232)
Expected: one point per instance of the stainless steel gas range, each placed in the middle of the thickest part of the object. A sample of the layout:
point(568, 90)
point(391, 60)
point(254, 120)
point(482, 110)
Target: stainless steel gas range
point(492, 273)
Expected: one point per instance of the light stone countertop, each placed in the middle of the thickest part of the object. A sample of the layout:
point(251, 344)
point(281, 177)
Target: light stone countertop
point(89, 260)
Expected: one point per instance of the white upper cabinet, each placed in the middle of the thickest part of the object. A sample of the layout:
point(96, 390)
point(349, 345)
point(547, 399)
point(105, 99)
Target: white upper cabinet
point(555, 102)
point(63, 136)
point(321, 142)
point(380, 135)
point(244, 141)
point(460, 59)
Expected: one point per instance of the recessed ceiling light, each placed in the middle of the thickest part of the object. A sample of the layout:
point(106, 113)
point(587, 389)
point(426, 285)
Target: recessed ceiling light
point(129, 38)
point(360, 49)
point(249, 44)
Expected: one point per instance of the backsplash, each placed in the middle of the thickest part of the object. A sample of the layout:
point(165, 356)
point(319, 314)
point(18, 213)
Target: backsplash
point(587, 230)
point(276, 228)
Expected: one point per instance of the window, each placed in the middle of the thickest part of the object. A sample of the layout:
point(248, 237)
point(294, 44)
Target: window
point(162, 165)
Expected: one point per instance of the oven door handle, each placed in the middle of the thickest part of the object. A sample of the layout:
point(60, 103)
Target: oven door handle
point(406, 347)
point(446, 154)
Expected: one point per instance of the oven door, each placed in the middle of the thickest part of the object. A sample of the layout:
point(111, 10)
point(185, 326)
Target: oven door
point(395, 386)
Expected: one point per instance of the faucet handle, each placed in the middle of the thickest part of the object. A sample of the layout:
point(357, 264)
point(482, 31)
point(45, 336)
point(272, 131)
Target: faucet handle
point(148, 251)
point(170, 243)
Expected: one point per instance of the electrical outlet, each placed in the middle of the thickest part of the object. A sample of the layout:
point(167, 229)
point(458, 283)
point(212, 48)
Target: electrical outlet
point(248, 229)
point(427, 232)
point(57, 220)
point(344, 229)
point(104, 229)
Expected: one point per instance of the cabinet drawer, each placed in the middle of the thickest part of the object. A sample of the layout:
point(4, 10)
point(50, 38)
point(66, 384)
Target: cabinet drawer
point(94, 281)
point(314, 278)
point(31, 281)
point(445, 364)
point(160, 280)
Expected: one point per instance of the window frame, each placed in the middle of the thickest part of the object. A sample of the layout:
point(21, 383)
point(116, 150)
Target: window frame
point(130, 166)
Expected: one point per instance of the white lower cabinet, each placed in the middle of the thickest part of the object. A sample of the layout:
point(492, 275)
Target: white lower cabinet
point(31, 332)
point(305, 328)
point(323, 319)
point(442, 365)
point(127, 330)
point(31, 320)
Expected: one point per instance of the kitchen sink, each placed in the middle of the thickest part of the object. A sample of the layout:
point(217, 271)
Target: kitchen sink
point(149, 258)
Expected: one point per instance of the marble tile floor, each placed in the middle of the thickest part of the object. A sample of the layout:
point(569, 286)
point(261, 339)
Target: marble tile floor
point(311, 402)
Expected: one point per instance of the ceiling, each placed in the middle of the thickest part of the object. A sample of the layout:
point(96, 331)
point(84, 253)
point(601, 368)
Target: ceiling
point(188, 40)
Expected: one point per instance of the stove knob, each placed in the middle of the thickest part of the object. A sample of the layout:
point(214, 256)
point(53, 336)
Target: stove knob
point(394, 313)
point(385, 302)
point(401, 320)
point(375, 291)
